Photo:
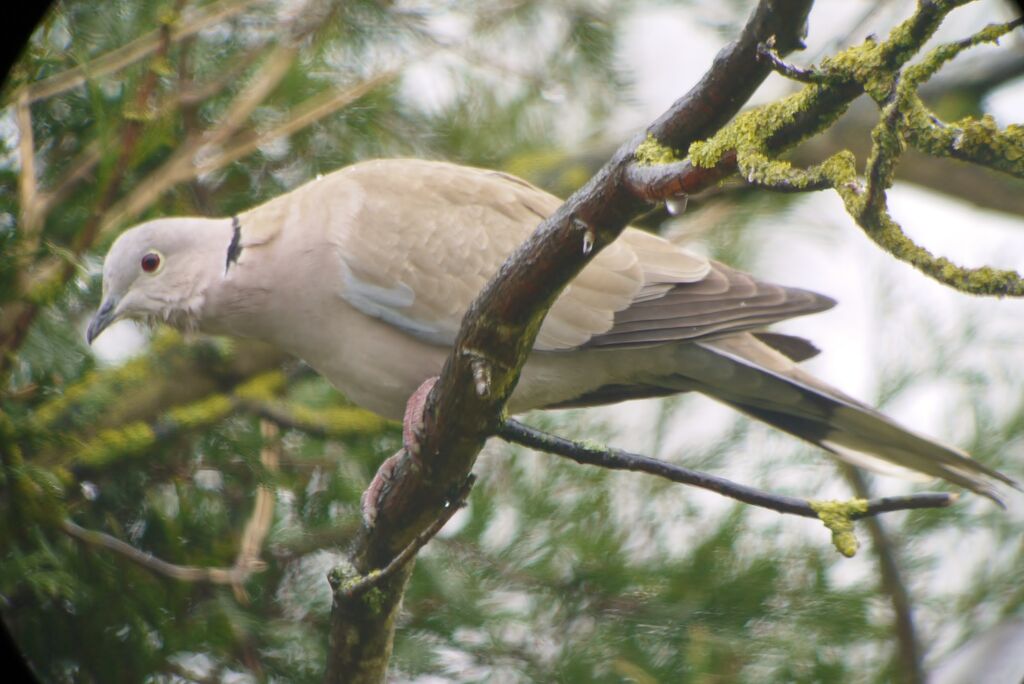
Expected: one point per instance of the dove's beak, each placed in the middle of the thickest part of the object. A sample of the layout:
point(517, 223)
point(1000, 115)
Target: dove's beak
point(106, 315)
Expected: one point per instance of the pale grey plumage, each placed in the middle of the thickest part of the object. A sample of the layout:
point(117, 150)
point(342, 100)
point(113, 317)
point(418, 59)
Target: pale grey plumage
point(367, 272)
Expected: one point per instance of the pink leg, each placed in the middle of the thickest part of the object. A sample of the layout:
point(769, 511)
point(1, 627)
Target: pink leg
point(412, 424)
point(379, 485)
point(412, 421)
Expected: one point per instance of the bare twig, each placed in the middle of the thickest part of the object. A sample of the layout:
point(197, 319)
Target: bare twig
point(27, 190)
point(256, 529)
point(766, 50)
point(206, 153)
point(250, 546)
point(364, 583)
point(616, 459)
point(186, 573)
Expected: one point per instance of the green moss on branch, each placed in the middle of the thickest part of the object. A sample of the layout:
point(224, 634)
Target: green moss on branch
point(837, 516)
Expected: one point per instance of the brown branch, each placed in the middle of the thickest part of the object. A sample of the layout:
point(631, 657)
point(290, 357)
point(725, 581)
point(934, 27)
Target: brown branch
point(656, 183)
point(617, 459)
point(767, 51)
point(464, 407)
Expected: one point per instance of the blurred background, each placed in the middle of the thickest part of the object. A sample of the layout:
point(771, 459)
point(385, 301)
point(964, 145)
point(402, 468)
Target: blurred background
point(212, 453)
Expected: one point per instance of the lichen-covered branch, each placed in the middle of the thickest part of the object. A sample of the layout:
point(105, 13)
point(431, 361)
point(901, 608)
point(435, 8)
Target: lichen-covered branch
point(334, 422)
point(137, 438)
point(173, 373)
point(752, 142)
point(978, 141)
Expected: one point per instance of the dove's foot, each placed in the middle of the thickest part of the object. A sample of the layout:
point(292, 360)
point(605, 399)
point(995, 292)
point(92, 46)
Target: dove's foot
point(412, 421)
point(412, 428)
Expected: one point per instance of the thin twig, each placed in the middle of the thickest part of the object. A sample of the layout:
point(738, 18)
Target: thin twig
point(258, 525)
point(375, 577)
point(185, 573)
point(193, 95)
point(250, 546)
point(181, 166)
point(184, 166)
point(27, 190)
point(305, 114)
point(766, 51)
point(616, 459)
point(77, 171)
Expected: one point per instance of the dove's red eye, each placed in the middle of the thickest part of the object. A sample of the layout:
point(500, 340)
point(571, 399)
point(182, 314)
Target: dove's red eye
point(150, 262)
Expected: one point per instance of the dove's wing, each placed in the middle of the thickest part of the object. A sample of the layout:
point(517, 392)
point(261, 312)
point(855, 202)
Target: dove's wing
point(420, 243)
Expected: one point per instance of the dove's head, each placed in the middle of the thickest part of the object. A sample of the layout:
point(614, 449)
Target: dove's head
point(160, 270)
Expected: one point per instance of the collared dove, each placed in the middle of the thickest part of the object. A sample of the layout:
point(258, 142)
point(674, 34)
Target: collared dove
point(366, 273)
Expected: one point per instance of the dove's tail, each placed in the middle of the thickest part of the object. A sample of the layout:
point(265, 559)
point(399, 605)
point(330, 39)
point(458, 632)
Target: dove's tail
point(752, 377)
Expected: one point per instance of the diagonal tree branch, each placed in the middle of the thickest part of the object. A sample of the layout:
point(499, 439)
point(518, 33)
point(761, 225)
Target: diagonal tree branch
point(207, 152)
